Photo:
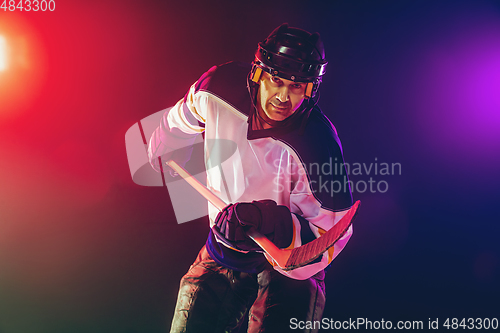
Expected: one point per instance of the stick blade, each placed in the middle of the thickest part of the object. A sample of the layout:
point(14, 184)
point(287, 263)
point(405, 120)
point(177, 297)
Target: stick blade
point(306, 253)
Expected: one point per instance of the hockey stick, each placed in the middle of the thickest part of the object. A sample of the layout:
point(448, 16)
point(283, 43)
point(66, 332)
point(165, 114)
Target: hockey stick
point(285, 259)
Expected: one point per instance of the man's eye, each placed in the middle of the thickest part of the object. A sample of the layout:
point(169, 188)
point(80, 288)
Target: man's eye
point(297, 86)
point(275, 79)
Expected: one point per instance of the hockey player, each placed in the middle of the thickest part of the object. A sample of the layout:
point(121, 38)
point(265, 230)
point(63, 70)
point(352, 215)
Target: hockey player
point(280, 175)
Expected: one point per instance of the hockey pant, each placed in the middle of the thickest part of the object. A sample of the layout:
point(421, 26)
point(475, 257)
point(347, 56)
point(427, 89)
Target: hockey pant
point(215, 299)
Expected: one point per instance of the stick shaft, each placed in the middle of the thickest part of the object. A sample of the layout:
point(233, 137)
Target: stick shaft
point(202, 189)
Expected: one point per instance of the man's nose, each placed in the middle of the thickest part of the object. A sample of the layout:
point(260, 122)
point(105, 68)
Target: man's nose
point(282, 94)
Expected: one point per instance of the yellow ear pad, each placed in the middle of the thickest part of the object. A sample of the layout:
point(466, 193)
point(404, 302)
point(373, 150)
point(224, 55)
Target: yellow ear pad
point(309, 89)
point(256, 74)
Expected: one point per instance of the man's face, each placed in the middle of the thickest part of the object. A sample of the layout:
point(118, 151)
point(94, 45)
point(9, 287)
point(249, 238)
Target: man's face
point(279, 98)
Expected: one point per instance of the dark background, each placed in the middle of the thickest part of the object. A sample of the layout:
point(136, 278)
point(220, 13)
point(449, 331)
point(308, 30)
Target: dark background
point(84, 249)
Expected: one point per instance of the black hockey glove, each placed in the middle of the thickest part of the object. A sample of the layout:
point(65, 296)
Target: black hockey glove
point(274, 221)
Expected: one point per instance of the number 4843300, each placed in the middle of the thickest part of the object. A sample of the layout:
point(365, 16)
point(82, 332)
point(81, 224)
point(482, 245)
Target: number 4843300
point(471, 323)
point(28, 5)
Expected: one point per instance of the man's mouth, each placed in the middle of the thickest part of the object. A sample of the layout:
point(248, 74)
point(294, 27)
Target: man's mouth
point(282, 107)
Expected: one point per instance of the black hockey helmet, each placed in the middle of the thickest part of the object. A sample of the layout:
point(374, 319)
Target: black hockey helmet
point(293, 54)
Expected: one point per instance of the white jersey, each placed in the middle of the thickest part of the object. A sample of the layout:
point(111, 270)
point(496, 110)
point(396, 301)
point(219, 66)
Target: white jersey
point(298, 171)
